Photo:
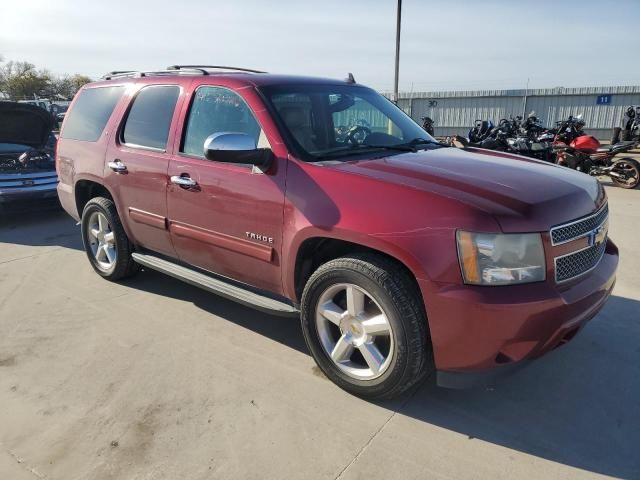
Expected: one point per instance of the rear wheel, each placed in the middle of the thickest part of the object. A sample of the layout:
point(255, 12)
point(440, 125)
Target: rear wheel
point(364, 323)
point(629, 169)
point(105, 241)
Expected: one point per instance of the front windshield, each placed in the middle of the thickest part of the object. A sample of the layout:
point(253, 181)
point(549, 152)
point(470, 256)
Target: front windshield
point(335, 121)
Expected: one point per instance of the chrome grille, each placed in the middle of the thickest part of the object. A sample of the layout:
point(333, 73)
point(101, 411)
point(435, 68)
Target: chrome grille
point(580, 262)
point(579, 228)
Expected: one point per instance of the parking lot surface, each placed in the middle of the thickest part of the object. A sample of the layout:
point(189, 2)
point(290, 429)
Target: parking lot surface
point(155, 379)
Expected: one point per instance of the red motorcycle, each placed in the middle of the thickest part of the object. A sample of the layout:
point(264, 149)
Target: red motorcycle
point(576, 150)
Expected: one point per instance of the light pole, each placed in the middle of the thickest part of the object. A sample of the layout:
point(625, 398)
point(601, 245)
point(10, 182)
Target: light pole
point(395, 82)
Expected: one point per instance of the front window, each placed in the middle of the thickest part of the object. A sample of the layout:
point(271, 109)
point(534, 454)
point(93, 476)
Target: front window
point(217, 110)
point(336, 121)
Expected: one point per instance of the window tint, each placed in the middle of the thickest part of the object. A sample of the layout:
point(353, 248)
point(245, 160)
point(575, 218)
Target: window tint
point(363, 114)
point(90, 113)
point(297, 112)
point(215, 110)
point(333, 121)
point(149, 119)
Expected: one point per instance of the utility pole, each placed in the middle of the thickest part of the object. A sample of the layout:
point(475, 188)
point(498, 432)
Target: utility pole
point(395, 83)
point(524, 101)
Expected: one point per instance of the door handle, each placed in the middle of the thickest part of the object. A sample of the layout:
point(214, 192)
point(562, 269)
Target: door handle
point(117, 166)
point(184, 181)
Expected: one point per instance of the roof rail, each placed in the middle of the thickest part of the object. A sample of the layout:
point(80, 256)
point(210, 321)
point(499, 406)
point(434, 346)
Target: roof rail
point(138, 74)
point(204, 68)
point(175, 70)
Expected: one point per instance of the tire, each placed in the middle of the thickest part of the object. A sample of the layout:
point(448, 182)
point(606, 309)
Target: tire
point(616, 135)
point(625, 135)
point(117, 262)
point(630, 167)
point(388, 289)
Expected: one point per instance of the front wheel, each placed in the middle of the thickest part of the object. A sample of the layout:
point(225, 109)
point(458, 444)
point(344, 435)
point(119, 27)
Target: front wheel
point(627, 172)
point(364, 323)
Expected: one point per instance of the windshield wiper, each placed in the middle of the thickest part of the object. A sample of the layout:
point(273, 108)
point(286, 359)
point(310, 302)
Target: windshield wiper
point(403, 147)
point(424, 141)
point(360, 148)
point(363, 148)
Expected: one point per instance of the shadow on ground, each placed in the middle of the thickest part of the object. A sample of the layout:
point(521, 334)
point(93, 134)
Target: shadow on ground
point(46, 225)
point(285, 330)
point(579, 405)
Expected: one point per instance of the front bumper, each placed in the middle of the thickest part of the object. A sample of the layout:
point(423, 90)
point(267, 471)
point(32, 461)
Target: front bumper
point(487, 331)
point(28, 187)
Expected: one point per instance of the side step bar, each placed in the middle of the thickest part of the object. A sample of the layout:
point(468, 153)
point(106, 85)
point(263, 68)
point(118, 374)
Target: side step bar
point(216, 286)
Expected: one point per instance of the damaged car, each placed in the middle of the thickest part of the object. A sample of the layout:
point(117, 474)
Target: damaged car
point(27, 167)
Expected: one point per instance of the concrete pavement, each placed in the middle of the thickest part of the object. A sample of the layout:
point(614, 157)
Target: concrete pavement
point(155, 379)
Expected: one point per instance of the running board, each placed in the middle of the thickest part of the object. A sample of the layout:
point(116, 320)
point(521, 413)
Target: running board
point(216, 286)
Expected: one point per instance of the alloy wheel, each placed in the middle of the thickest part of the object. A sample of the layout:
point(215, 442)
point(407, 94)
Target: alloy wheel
point(101, 241)
point(354, 331)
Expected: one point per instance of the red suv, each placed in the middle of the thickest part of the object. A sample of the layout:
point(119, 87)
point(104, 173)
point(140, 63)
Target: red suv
point(404, 258)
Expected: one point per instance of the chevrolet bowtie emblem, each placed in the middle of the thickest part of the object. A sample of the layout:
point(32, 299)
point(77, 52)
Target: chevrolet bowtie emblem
point(597, 235)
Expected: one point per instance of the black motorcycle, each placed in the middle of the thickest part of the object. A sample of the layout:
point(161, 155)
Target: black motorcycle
point(532, 139)
point(485, 135)
point(427, 125)
point(630, 130)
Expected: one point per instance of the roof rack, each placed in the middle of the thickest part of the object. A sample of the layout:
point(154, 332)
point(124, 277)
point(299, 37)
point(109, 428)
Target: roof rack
point(138, 74)
point(174, 70)
point(204, 68)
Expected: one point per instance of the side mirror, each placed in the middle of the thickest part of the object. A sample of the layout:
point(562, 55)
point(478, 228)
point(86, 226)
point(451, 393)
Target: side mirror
point(235, 147)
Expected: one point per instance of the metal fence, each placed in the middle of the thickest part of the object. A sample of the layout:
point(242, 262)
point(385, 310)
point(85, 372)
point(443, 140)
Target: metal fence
point(455, 112)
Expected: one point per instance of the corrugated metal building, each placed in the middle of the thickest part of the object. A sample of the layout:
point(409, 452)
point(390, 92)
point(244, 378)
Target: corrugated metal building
point(455, 112)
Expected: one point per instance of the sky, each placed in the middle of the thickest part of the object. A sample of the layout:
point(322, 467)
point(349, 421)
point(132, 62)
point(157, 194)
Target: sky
point(445, 45)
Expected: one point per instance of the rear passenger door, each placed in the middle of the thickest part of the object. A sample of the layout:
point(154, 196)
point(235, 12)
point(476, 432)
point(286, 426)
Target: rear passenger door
point(231, 222)
point(137, 164)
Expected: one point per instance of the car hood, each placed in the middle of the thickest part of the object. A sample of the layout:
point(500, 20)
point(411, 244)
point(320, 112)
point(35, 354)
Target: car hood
point(22, 123)
point(522, 194)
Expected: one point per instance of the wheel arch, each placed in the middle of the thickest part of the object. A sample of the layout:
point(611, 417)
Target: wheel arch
point(85, 189)
point(317, 250)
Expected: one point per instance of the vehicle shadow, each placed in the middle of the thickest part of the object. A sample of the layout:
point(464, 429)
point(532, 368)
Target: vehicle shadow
point(285, 330)
point(46, 225)
point(579, 405)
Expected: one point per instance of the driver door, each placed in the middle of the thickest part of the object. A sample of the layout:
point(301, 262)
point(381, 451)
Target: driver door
point(230, 223)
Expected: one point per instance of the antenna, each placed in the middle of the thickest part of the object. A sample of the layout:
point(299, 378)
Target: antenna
point(350, 78)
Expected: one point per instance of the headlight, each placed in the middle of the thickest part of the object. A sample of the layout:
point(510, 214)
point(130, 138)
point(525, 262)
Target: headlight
point(502, 259)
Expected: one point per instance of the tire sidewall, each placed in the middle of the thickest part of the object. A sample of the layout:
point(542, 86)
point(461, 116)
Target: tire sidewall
point(398, 364)
point(89, 209)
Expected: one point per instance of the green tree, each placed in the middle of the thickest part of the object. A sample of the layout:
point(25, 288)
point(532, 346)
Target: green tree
point(66, 86)
point(20, 80)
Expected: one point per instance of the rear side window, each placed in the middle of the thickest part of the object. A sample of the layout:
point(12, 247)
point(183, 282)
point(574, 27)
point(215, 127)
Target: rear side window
point(149, 119)
point(90, 113)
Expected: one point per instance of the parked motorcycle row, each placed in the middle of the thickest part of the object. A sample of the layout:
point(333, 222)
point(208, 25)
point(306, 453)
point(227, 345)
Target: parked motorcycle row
point(567, 144)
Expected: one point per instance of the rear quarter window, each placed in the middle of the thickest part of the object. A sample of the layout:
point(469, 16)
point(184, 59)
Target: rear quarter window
point(90, 113)
point(149, 119)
